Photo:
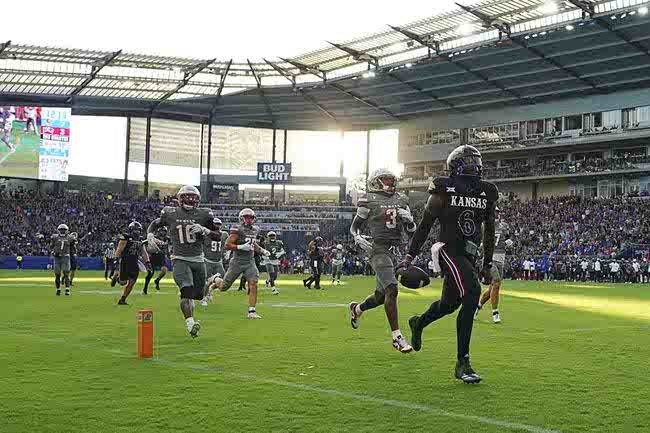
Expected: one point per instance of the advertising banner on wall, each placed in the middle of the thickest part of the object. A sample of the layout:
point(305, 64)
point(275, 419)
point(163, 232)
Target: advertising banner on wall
point(273, 172)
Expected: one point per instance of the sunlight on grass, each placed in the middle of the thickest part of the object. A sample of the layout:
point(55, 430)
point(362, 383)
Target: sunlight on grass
point(628, 308)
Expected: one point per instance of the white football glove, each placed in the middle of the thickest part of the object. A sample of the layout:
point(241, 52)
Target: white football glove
point(405, 215)
point(363, 243)
point(265, 253)
point(245, 247)
point(198, 228)
point(280, 253)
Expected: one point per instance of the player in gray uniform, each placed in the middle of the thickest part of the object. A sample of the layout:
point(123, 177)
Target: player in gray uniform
point(499, 259)
point(337, 263)
point(242, 241)
point(188, 225)
point(384, 212)
point(60, 249)
point(213, 251)
point(276, 249)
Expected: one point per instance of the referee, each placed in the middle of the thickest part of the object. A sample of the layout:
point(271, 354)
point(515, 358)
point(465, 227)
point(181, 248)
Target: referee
point(109, 260)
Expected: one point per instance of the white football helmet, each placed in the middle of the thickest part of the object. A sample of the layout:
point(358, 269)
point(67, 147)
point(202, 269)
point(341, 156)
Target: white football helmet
point(272, 234)
point(188, 197)
point(382, 180)
point(247, 216)
point(62, 229)
point(339, 247)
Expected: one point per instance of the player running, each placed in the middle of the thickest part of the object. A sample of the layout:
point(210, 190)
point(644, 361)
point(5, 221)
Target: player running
point(275, 247)
point(9, 117)
point(242, 241)
point(213, 251)
point(384, 212)
point(337, 263)
point(158, 251)
point(130, 248)
point(60, 250)
point(188, 225)
point(499, 259)
point(463, 203)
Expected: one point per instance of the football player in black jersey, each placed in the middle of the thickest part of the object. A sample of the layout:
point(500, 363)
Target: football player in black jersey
point(315, 257)
point(129, 250)
point(465, 206)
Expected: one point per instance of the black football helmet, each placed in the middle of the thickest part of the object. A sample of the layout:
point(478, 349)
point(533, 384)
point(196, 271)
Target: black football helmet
point(465, 161)
point(135, 228)
point(162, 232)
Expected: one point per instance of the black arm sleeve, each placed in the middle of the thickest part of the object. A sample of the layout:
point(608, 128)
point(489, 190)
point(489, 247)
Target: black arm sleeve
point(489, 236)
point(431, 214)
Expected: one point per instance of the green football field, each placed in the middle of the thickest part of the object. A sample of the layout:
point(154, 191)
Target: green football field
point(567, 358)
point(24, 161)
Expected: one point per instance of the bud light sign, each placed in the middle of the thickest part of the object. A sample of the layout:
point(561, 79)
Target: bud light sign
point(273, 172)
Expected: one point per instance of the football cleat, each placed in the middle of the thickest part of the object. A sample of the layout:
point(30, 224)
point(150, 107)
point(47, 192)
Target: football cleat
point(204, 303)
point(253, 315)
point(194, 332)
point(496, 317)
point(466, 373)
point(402, 345)
point(144, 292)
point(275, 291)
point(354, 317)
point(157, 284)
point(113, 281)
point(478, 309)
point(210, 298)
point(122, 301)
point(267, 283)
point(416, 333)
point(58, 292)
point(67, 292)
point(338, 283)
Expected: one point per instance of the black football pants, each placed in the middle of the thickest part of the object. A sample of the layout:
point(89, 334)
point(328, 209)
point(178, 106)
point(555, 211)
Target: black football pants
point(460, 288)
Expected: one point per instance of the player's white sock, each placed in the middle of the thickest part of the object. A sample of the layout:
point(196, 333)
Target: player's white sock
point(189, 322)
point(396, 334)
point(357, 310)
point(251, 309)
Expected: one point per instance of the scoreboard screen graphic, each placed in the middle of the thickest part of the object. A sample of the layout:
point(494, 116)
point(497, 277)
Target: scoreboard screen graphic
point(35, 142)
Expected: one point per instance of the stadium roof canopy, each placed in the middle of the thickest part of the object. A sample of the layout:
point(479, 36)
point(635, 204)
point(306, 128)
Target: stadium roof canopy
point(484, 53)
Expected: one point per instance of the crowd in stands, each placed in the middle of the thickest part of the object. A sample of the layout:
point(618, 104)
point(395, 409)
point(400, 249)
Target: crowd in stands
point(547, 167)
point(551, 236)
point(29, 218)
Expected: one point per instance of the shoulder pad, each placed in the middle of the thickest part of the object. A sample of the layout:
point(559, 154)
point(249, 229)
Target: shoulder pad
point(124, 237)
point(438, 185)
point(491, 189)
point(234, 230)
point(363, 201)
point(403, 199)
